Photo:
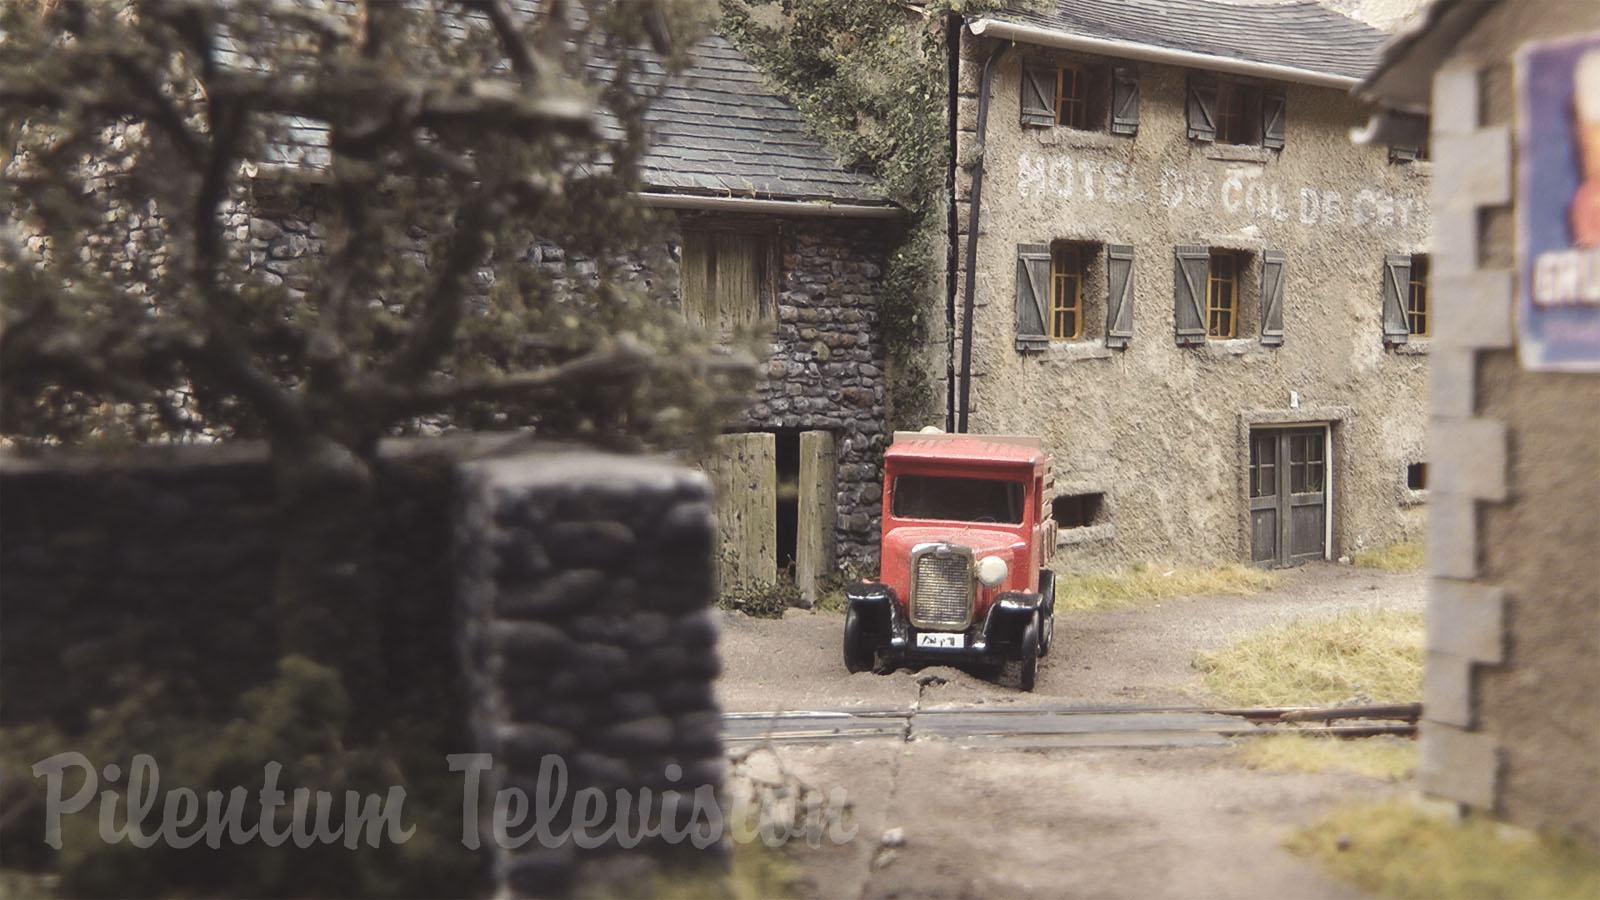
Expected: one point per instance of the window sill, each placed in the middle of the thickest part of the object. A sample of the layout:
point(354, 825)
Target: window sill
point(1088, 534)
point(1408, 497)
point(1416, 168)
point(1077, 138)
point(1238, 153)
point(1413, 347)
point(1229, 348)
point(1072, 351)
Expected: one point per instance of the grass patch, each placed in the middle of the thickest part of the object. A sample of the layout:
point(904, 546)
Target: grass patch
point(1394, 558)
point(1389, 758)
point(1395, 849)
point(1143, 585)
point(1372, 655)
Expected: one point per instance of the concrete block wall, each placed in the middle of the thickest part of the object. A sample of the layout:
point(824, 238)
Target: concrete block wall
point(1513, 637)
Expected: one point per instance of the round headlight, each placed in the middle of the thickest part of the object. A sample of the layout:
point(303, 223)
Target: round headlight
point(992, 571)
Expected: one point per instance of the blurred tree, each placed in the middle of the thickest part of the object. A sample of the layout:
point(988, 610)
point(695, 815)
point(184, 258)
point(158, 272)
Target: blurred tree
point(461, 137)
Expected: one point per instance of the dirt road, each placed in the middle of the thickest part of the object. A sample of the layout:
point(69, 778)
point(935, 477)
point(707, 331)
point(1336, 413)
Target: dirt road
point(1178, 822)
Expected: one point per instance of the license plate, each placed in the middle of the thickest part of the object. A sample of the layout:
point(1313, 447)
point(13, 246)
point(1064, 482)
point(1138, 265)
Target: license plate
point(942, 639)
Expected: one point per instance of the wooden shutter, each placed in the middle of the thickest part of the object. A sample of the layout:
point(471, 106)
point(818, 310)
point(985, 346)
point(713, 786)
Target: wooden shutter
point(1125, 100)
point(1202, 107)
point(1272, 297)
point(1033, 296)
point(1119, 295)
point(1191, 265)
point(1272, 115)
point(1396, 285)
point(1038, 93)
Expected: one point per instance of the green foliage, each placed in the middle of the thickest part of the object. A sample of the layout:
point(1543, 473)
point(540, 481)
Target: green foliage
point(872, 79)
point(296, 720)
point(830, 591)
point(761, 600)
point(1398, 849)
point(133, 306)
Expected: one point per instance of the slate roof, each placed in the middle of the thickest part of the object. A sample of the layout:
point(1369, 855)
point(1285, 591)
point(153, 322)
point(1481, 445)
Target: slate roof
point(717, 129)
point(1298, 33)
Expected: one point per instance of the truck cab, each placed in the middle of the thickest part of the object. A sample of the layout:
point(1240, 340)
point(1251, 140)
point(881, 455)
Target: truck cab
point(964, 541)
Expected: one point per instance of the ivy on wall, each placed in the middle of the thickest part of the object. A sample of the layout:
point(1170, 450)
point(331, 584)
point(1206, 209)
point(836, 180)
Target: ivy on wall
point(871, 77)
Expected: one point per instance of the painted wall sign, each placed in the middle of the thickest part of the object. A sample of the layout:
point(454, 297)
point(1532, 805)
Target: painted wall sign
point(1237, 191)
point(1558, 204)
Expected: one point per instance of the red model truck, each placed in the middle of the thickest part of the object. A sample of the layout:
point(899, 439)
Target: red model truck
point(966, 534)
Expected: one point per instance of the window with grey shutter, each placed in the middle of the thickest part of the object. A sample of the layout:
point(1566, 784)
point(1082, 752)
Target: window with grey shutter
point(1272, 297)
point(1191, 263)
point(1038, 93)
point(1033, 296)
point(1125, 100)
point(1119, 295)
point(1396, 284)
point(1202, 107)
point(1272, 115)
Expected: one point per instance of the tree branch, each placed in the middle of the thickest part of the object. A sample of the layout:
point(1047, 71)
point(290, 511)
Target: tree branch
point(623, 361)
point(517, 50)
point(441, 312)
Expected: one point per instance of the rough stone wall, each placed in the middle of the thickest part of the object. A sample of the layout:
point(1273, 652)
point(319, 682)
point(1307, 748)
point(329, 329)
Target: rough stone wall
point(827, 363)
point(538, 603)
point(588, 636)
point(1156, 427)
point(1513, 665)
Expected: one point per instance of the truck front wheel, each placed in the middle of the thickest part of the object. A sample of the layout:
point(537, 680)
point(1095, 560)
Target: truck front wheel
point(1028, 662)
point(858, 652)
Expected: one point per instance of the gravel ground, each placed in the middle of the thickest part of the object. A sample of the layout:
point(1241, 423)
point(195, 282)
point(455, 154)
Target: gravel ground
point(1137, 657)
point(1183, 822)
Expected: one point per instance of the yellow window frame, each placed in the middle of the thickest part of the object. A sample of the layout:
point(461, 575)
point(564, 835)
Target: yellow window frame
point(1072, 96)
point(1417, 312)
point(1222, 296)
point(1066, 291)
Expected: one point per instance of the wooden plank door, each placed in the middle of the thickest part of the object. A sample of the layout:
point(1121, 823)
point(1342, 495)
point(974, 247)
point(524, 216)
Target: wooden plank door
point(744, 471)
point(1288, 495)
point(813, 558)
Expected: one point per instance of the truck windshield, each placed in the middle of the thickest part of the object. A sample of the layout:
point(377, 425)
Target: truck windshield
point(957, 499)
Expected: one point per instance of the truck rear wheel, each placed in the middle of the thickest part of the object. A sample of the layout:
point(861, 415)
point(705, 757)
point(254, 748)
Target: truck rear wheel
point(858, 652)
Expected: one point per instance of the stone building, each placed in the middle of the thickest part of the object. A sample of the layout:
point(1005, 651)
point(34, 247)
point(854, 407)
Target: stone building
point(773, 230)
point(1512, 723)
point(1210, 304)
point(772, 233)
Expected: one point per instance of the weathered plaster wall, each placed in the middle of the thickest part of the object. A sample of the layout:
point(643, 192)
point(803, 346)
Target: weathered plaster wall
point(1513, 724)
point(1155, 426)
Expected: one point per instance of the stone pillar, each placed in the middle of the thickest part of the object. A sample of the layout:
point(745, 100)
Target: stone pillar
point(590, 647)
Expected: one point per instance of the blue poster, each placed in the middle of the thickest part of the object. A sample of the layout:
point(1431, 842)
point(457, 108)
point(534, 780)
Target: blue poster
point(1558, 204)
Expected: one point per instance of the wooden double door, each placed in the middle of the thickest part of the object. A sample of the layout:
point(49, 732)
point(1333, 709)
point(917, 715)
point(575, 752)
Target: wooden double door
point(1288, 495)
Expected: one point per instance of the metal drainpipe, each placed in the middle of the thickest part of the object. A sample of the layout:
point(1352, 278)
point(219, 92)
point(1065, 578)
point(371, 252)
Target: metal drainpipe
point(972, 234)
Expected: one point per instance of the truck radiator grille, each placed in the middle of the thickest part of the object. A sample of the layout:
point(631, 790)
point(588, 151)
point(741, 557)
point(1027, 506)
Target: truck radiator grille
point(941, 591)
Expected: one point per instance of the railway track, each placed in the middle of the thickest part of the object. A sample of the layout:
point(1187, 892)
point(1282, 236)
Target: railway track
point(1064, 727)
